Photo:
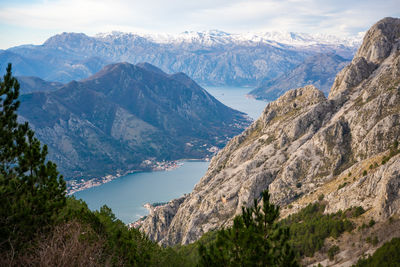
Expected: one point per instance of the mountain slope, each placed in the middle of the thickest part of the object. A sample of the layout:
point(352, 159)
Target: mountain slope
point(305, 145)
point(30, 84)
point(319, 70)
point(50, 64)
point(125, 115)
point(211, 57)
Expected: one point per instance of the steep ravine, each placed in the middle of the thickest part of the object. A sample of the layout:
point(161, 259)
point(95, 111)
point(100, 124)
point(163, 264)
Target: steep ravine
point(304, 145)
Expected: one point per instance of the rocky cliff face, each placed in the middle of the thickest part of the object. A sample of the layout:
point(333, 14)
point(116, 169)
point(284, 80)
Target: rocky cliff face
point(305, 145)
point(125, 116)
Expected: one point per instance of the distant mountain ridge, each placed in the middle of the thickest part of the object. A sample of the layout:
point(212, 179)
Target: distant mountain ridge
point(318, 70)
point(214, 37)
point(212, 57)
point(126, 116)
point(30, 84)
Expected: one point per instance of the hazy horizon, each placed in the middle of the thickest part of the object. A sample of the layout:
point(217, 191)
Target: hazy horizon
point(34, 21)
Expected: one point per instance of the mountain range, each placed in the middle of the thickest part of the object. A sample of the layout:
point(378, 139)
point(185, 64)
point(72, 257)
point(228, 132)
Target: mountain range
point(306, 148)
point(215, 37)
point(126, 117)
point(318, 70)
point(210, 57)
point(30, 84)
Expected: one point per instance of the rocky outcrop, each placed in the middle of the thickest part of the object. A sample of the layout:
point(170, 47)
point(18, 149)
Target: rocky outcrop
point(305, 145)
point(380, 41)
point(161, 218)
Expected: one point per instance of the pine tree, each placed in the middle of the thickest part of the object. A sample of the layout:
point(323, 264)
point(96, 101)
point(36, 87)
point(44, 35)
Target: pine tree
point(31, 190)
point(255, 239)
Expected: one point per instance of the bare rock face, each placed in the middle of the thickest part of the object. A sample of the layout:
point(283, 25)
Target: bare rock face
point(304, 145)
point(380, 40)
point(379, 43)
point(161, 218)
point(358, 70)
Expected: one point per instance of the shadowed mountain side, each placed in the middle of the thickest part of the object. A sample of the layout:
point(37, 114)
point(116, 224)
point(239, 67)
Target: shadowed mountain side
point(319, 70)
point(30, 84)
point(125, 114)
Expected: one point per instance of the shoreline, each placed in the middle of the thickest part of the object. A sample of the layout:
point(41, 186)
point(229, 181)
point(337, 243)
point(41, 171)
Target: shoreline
point(75, 186)
point(151, 208)
point(78, 185)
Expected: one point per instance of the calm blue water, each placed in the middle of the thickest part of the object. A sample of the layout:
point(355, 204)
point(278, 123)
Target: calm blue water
point(127, 195)
point(235, 97)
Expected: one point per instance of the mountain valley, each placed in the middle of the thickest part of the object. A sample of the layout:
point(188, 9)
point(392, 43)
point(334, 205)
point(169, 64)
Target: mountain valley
point(127, 117)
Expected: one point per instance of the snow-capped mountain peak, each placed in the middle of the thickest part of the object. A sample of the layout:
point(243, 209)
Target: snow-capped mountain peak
point(218, 37)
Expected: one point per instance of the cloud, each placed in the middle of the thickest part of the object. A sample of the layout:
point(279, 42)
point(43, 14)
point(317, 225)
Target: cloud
point(91, 16)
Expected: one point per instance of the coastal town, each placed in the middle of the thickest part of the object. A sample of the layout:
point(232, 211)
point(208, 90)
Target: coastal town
point(150, 164)
point(77, 185)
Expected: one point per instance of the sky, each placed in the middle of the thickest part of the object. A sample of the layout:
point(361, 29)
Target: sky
point(33, 21)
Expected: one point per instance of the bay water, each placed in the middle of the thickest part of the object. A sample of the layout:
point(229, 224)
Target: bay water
point(236, 98)
point(127, 194)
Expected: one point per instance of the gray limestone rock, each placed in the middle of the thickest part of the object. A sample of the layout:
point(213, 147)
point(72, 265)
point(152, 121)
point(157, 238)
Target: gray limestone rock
point(304, 145)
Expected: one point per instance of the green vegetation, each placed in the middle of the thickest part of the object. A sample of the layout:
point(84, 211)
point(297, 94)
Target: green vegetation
point(31, 190)
point(357, 211)
point(255, 239)
point(119, 245)
point(362, 227)
point(372, 240)
point(190, 253)
point(374, 166)
point(342, 185)
point(308, 230)
point(157, 204)
point(393, 151)
point(385, 256)
point(333, 251)
point(371, 223)
point(310, 227)
point(39, 225)
point(108, 241)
